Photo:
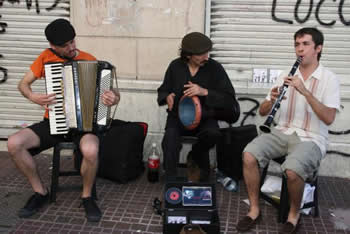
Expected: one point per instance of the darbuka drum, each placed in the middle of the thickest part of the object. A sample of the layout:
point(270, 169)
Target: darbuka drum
point(190, 112)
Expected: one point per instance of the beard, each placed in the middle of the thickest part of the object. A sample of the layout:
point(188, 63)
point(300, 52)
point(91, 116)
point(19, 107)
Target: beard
point(71, 54)
point(203, 62)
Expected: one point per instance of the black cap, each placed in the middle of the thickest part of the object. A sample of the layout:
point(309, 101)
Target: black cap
point(196, 43)
point(59, 32)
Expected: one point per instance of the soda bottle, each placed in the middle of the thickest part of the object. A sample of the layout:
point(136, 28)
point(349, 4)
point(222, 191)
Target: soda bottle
point(153, 165)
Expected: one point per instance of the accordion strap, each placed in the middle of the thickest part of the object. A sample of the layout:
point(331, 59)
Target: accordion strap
point(114, 76)
point(58, 55)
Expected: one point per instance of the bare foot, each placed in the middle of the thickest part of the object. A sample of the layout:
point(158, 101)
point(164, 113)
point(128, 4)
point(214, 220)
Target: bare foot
point(293, 219)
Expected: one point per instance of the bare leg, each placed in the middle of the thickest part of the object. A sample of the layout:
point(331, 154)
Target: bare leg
point(295, 192)
point(18, 145)
point(89, 145)
point(252, 181)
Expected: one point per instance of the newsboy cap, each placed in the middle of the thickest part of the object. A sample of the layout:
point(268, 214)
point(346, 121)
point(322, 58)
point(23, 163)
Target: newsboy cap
point(59, 32)
point(196, 43)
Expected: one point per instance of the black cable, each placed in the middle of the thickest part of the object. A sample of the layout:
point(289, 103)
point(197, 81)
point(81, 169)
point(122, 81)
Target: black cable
point(338, 152)
point(157, 206)
point(339, 132)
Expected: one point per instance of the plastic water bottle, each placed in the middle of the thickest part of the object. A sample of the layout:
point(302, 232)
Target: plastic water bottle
point(228, 183)
point(153, 165)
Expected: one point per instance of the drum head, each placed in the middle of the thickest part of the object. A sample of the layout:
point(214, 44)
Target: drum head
point(190, 112)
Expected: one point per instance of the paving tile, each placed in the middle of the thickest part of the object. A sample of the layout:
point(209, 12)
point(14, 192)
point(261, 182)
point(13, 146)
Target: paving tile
point(127, 207)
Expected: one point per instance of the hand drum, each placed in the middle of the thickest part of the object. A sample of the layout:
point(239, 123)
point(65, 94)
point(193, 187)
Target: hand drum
point(190, 112)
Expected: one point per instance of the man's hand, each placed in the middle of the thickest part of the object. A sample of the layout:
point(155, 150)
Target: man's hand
point(297, 83)
point(24, 86)
point(194, 90)
point(110, 98)
point(43, 100)
point(323, 112)
point(274, 94)
point(266, 105)
point(170, 101)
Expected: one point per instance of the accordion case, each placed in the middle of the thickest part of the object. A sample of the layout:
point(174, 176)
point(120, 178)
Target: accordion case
point(190, 203)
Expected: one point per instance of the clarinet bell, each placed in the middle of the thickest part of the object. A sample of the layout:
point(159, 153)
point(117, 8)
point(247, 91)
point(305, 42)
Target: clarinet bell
point(264, 128)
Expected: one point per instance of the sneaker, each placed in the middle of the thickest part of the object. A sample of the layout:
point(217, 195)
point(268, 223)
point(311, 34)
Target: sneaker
point(93, 213)
point(35, 202)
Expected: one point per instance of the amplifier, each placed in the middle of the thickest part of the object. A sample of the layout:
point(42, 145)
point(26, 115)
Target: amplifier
point(190, 203)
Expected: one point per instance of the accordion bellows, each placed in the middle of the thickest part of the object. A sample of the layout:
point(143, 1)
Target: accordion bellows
point(79, 86)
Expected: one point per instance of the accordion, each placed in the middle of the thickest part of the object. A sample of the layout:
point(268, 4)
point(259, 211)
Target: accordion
point(79, 86)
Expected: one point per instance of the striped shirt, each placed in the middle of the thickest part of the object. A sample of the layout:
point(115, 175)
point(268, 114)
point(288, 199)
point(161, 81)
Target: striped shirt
point(296, 115)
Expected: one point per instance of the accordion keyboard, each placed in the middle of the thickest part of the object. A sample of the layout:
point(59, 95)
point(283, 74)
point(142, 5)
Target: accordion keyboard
point(53, 74)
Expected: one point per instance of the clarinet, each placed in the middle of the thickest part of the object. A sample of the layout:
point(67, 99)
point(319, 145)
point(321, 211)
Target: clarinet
point(266, 126)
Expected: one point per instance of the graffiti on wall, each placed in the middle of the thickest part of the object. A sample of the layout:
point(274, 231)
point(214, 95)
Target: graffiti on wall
point(318, 16)
point(4, 25)
point(29, 4)
point(3, 71)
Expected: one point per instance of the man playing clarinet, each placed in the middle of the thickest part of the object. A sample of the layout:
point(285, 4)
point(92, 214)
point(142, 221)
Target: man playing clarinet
point(308, 107)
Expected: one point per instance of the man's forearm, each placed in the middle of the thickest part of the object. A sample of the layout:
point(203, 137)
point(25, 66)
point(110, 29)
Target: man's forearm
point(324, 113)
point(25, 89)
point(24, 86)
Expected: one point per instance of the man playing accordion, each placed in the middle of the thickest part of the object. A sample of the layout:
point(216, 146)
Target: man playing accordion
point(30, 141)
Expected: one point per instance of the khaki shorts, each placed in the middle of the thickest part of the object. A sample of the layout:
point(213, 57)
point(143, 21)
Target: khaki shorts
point(302, 157)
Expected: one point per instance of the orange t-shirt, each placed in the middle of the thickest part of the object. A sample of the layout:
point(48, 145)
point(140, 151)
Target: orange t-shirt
point(48, 56)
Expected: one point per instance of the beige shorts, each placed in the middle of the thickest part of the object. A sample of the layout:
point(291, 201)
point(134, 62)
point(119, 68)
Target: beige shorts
point(302, 157)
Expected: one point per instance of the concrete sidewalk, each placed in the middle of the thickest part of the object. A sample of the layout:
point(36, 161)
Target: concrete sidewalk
point(127, 207)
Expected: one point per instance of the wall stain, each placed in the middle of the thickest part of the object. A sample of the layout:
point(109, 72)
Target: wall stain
point(127, 15)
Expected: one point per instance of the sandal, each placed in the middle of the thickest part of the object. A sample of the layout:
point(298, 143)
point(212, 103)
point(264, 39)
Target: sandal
point(289, 228)
point(247, 223)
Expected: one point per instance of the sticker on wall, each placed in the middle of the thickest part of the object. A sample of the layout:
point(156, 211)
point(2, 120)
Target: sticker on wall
point(260, 75)
point(264, 78)
point(273, 75)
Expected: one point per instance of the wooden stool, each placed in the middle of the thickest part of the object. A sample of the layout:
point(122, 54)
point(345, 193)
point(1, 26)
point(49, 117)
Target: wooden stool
point(283, 205)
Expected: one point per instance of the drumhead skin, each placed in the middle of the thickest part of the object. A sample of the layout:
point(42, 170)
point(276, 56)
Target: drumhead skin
point(190, 112)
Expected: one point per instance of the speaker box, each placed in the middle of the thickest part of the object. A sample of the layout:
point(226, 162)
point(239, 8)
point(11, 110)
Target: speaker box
point(190, 203)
